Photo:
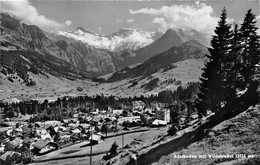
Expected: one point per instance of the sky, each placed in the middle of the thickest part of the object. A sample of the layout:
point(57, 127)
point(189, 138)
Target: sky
point(105, 17)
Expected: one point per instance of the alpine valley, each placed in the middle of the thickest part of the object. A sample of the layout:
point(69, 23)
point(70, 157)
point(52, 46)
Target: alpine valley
point(36, 64)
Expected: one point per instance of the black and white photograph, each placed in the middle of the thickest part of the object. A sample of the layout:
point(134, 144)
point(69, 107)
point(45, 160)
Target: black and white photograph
point(130, 82)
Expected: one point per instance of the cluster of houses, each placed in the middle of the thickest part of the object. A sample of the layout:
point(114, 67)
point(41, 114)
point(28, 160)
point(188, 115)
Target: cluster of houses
point(43, 137)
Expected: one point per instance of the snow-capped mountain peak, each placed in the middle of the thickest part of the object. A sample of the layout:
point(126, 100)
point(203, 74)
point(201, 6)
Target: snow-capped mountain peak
point(185, 35)
point(125, 38)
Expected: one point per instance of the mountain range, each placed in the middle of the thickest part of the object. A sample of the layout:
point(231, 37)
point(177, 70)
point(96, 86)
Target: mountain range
point(163, 61)
point(123, 39)
point(171, 38)
point(27, 50)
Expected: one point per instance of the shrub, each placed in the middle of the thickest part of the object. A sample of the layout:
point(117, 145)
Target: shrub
point(4, 71)
point(173, 130)
point(30, 82)
point(113, 149)
point(133, 84)
point(151, 84)
point(79, 89)
point(10, 79)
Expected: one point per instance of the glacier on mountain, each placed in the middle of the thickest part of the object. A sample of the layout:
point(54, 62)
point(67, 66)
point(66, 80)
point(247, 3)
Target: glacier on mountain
point(123, 39)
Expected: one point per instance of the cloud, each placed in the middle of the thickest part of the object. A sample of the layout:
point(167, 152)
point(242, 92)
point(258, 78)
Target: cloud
point(129, 20)
point(99, 28)
point(258, 17)
point(198, 16)
point(136, 36)
point(258, 20)
point(118, 21)
point(68, 22)
point(29, 14)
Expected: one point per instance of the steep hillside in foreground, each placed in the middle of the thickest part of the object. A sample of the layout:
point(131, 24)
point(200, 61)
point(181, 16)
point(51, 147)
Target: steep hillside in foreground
point(238, 135)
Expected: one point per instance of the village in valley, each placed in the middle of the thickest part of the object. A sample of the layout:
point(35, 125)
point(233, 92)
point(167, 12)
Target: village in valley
point(30, 130)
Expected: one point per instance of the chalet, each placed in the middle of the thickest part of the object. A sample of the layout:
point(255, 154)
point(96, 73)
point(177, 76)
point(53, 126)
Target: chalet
point(27, 132)
point(16, 142)
point(73, 126)
point(51, 130)
point(75, 137)
point(96, 120)
point(64, 136)
point(84, 125)
point(65, 121)
point(76, 131)
point(17, 131)
point(28, 141)
point(138, 105)
point(163, 114)
point(2, 149)
point(96, 138)
point(107, 119)
point(117, 111)
point(9, 132)
point(155, 105)
point(95, 112)
point(9, 124)
point(3, 158)
point(103, 112)
point(44, 146)
point(60, 128)
point(159, 123)
point(37, 124)
point(136, 113)
point(74, 121)
point(52, 123)
point(43, 134)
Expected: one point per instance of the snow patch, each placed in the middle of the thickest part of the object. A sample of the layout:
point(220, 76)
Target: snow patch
point(26, 59)
point(132, 40)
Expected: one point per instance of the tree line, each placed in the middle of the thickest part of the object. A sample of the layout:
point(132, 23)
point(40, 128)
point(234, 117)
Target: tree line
point(66, 107)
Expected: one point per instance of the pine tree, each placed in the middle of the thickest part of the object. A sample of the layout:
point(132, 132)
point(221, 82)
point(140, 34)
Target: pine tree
point(250, 56)
point(251, 44)
point(233, 68)
point(202, 103)
point(213, 82)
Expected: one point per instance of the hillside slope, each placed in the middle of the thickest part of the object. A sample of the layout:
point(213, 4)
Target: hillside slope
point(238, 135)
point(171, 38)
point(188, 50)
point(77, 55)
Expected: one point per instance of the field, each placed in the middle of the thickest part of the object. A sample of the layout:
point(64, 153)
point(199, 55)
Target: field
point(80, 152)
point(53, 87)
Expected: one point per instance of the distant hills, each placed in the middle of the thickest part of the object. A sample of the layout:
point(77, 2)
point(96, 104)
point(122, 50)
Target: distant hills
point(171, 38)
point(188, 50)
